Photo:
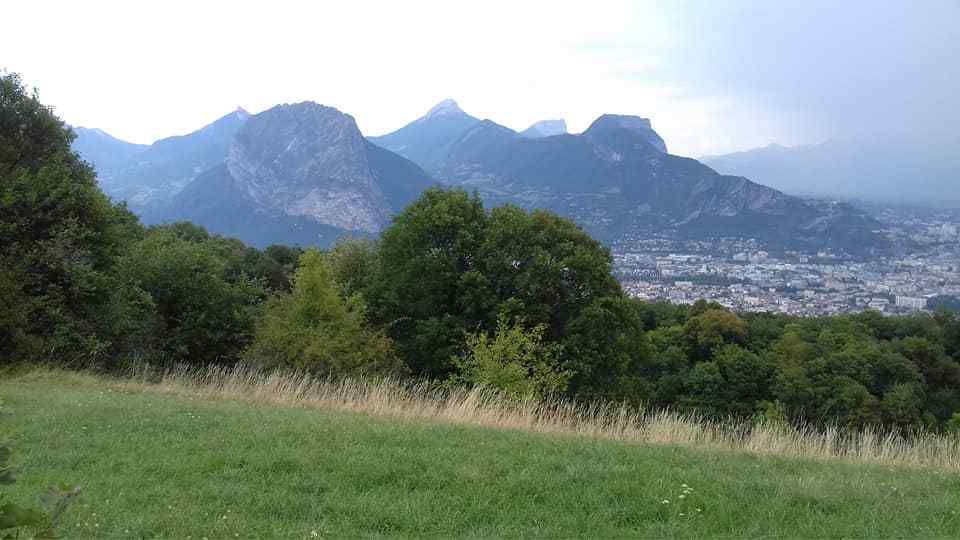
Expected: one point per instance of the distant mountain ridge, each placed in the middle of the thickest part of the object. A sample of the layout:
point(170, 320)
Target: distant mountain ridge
point(149, 176)
point(878, 169)
point(304, 173)
point(617, 179)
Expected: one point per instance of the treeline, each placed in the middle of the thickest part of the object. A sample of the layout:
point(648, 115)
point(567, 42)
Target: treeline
point(452, 292)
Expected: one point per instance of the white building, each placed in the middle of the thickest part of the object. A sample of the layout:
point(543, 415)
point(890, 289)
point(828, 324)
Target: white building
point(911, 302)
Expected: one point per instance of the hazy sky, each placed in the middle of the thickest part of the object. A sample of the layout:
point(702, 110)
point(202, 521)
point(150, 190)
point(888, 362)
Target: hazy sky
point(713, 75)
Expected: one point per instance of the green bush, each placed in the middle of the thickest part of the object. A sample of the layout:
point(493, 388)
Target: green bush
point(319, 329)
point(514, 360)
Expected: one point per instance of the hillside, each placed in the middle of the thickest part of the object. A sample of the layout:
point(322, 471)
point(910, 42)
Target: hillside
point(178, 461)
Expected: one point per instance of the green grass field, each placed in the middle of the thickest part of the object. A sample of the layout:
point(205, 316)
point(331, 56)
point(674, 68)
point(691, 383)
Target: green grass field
point(154, 464)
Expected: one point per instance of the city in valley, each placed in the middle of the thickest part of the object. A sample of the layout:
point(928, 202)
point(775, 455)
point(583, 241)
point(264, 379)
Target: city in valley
point(922, 274)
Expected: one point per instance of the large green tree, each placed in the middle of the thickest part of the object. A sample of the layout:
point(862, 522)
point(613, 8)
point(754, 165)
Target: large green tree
point(61, 237)
point(447, 268)
point(205, 306)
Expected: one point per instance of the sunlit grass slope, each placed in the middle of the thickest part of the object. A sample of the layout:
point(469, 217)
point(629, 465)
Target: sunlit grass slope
point(158, 461)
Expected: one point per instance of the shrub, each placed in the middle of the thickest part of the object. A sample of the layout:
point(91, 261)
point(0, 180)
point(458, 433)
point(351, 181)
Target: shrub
point(515, 361)
point(317, 328)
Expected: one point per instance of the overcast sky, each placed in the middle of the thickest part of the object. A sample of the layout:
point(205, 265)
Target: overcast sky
point(713, 75)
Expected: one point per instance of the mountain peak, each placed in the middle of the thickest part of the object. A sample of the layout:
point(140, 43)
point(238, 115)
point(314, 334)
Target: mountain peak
point(636, 124)
point(445, 107)
point(545, 128)
point(623, 121)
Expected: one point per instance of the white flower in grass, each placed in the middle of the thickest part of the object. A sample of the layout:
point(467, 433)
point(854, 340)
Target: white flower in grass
point(665, 501)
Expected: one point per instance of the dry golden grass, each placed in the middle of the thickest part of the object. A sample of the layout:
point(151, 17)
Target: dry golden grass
point(482, 407)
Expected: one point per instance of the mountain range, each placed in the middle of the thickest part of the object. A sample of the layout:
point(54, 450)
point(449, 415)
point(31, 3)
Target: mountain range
point(618, 179)
point(880, 168)
point(304, 174)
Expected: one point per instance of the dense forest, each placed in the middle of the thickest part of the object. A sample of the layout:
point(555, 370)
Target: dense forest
point(452, 292)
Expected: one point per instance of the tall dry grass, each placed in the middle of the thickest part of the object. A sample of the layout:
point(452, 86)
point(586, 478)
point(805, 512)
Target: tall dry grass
point(482, 407)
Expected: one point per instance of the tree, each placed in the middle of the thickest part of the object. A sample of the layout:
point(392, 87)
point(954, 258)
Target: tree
point(608, 352)
point(355, 263)
point(318, 329)
point(708, 331)
point(448, 269)
point(61, 238)
point(204, 314)
point(427, 260)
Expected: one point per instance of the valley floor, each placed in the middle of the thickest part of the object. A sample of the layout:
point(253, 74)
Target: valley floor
point(155, 464)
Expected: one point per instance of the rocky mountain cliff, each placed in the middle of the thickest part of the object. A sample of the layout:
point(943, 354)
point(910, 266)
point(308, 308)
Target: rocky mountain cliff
point(108, 154)
point(300, 173)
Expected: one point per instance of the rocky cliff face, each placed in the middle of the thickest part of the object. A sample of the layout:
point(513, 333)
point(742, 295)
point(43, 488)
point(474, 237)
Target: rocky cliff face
point(296, 174)
point(303, 173)
point(108, 154)
point(300, 173)
point(308, 160)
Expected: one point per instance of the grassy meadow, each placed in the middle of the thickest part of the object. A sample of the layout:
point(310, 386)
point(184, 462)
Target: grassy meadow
point(189, 457)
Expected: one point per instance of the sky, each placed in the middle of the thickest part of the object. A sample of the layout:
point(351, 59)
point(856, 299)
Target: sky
point(714, 76)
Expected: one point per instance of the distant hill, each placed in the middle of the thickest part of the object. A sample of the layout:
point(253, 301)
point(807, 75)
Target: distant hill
point(878, 169)
point(109, 154)
point(148, 177)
